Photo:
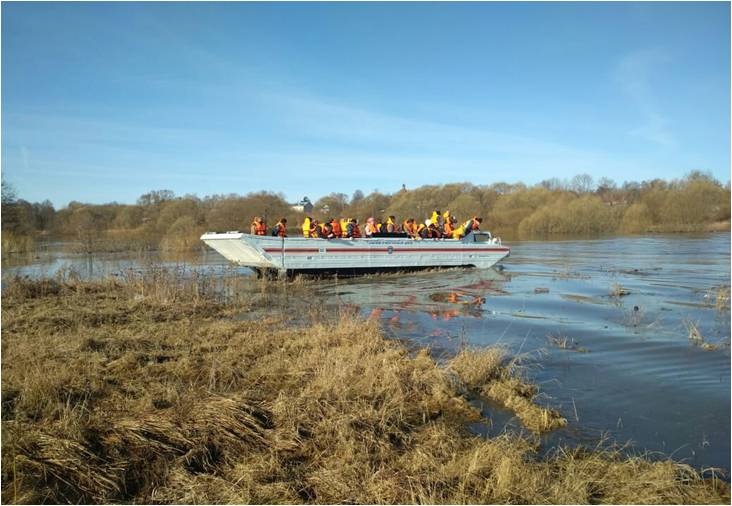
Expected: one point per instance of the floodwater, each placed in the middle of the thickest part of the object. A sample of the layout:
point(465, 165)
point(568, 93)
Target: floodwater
point(628, 337)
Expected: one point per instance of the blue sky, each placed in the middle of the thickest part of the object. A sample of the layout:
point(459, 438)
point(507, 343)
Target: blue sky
point(105, 101)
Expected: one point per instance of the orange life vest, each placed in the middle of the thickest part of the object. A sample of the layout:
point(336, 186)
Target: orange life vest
point(281, 229)
point(260, 228)
point(336, 228)
point(356, 233)
point(448, 229)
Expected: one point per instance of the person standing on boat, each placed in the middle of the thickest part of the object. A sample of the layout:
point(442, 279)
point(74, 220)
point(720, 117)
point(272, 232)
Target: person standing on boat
point(306, 227)
point(344, 226)
point(473, 225)
point(449, 227)
point(280, 229)
point(258, 226)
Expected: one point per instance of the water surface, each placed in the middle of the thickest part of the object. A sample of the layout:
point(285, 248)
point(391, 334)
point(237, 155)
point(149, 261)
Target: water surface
point(602, 326)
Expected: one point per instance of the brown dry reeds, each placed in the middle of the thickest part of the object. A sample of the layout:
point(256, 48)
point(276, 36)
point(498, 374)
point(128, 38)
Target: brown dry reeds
point(127, 390)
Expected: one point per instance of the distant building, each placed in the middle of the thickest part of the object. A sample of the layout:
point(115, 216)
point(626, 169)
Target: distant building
point(304, 206)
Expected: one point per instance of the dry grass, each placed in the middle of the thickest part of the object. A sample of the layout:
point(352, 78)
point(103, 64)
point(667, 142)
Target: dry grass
point(697, 339)
point(718, 297)
point(147, 390)
point(617, 290)
point(565, 343)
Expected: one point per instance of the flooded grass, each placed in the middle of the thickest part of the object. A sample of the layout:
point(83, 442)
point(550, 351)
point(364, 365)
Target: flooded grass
point(565, 343)
point(145, 388)
point(697, 339)
point(617, 290)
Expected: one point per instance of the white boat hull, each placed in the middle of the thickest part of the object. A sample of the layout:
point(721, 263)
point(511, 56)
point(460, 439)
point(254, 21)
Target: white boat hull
point(299, 254)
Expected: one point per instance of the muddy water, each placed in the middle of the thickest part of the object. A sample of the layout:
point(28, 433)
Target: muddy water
point(602, 325)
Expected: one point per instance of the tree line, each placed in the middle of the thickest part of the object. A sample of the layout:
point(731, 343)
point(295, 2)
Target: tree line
point(579, 207)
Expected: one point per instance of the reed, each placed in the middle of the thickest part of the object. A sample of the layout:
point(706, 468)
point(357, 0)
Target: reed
point(153, 387)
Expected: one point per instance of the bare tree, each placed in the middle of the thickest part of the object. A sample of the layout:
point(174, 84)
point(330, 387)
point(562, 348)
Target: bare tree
point(582, 183)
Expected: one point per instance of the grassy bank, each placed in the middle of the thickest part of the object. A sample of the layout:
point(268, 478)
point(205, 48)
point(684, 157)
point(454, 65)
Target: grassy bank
point(154, 389)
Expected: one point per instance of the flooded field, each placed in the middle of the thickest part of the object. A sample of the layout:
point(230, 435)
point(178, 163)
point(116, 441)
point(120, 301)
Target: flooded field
point(629, 337)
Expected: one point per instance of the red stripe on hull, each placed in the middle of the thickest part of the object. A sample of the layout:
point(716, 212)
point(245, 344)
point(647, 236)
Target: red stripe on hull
point(385, 250)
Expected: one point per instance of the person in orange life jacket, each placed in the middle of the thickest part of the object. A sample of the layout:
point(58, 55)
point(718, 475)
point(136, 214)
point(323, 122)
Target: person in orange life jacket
point(449, 227)
point(473, 224)
point(336, 226)
point(352, 230)
point(258, 226)
point(281, 228)
point(410, 227)
point(370, 228)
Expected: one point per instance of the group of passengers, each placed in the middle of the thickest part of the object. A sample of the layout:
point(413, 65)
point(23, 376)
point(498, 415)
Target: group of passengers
point(438, 226)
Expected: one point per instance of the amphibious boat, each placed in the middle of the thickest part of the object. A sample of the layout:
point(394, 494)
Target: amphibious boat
point(388, 252)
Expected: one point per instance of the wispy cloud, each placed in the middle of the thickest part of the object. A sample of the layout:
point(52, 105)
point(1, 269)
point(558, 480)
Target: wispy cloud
point(635, 73)
point(329, 120)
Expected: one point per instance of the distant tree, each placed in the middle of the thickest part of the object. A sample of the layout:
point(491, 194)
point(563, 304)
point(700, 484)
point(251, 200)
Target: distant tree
point(155, 197)
point(335, 203)
point(552, 184)
point(43, 215)
point(9, 211)
point(129, 217)
point(87, 224)
point(9, 194)
point(357, 196)
point(582, 183)
point(606, 190)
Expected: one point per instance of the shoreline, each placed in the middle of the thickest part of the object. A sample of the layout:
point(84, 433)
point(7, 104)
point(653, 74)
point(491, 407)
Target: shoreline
point(168, 398)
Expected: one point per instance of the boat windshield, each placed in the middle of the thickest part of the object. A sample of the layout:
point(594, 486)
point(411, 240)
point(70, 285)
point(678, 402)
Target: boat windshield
point(481, 236)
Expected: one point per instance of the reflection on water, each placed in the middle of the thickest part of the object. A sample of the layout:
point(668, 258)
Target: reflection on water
point(604, 327)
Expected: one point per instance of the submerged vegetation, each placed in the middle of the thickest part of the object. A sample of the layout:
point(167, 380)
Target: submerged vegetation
point(580, 207)
point(177, 388)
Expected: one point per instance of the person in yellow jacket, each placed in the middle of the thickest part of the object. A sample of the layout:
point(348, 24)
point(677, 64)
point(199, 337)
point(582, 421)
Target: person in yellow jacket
point(344, 226)
point(433, 218)
point(459, 232)
point(306, 227)
point(391, 224)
